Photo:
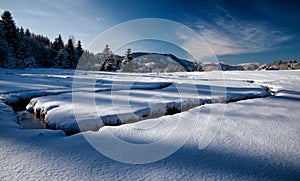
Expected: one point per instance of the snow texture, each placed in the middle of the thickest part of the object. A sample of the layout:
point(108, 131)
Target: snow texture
point(257, 140)
point(123, 99)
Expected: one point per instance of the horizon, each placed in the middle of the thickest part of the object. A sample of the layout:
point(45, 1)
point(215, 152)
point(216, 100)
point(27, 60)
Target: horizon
point(237, 31)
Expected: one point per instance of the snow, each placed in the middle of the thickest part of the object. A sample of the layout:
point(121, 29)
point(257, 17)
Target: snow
point(256, 139)
point(115, 104)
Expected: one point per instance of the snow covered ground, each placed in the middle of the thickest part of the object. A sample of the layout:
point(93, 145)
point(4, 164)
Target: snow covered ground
point(255, 138)
point(123, 98)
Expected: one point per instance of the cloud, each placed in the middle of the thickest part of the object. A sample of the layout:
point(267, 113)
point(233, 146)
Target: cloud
point(39, 13)
point(99, 19)
point(246, 36)
point(227, 35)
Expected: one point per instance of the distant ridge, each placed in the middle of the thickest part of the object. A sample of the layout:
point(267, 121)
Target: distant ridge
point(281, 65)
point(145, 62)
point(188, 65)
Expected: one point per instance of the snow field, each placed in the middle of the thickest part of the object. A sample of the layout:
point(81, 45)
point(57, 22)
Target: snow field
point(257, 139)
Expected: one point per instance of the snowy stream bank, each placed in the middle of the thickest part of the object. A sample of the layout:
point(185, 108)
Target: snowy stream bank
point(36, 119)
point(122, 98)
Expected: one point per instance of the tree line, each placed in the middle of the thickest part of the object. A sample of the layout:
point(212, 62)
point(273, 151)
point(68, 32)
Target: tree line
point(104, 61)
point(21, 48)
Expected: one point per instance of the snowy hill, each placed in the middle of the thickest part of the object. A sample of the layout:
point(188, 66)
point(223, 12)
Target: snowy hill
point(288, 65)
point(155, 62)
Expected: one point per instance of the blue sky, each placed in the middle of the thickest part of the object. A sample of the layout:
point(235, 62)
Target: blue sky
point(237, 30)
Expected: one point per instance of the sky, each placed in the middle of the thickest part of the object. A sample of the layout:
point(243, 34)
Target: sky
point(237, 31)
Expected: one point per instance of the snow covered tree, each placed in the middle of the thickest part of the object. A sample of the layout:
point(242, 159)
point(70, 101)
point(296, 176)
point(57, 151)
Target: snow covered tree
point(127, 57)
point(61, 60)
point(21, 49)
point(58, 53)
point(107, 52)
point(109, 62)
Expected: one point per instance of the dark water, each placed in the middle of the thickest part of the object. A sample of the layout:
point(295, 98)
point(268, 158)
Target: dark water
point(28, 121)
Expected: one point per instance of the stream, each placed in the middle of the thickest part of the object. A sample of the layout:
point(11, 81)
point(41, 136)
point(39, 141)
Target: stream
point(28, 121)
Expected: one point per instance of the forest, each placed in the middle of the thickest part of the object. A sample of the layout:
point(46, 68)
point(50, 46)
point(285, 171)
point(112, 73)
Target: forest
point(20, 48)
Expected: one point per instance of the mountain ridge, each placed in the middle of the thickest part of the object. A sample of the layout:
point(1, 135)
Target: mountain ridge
point(211, 66)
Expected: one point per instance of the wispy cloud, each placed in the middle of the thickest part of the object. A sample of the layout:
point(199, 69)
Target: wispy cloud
point(39, 13)
point(226, 35)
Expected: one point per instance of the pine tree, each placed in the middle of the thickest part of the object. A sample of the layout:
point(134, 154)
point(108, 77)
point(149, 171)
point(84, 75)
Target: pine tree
point(14, 40)
point(27, 33)
point(61, 60)
point(58, 53)
point(5, 49)
point(58, 43)
point(9, 28)
point(79, 48)
point(108, 64)
point(23, 50)
point(70, 46)
point(127, 57)
point(107, 52)
point(20, 49)
point(71, 53)
point(21, 32)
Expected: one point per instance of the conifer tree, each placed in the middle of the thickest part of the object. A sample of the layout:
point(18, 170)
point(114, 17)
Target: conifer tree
point(27, 33)
point(127, 57)
point(9, 28)
point(21, 32)
point(61, 60)
point(21, 49)
point(79, 49)
point(107, 52)
point(71, 53)
point(5, 49)
point(108, 64)
point(58, 43)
